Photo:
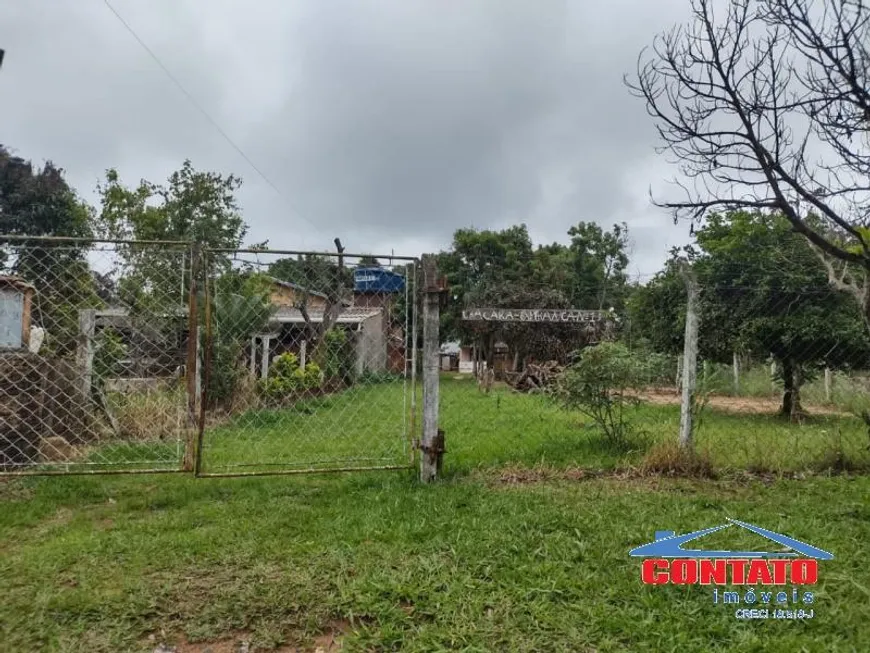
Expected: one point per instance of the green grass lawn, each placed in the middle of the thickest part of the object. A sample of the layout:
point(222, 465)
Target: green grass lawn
point(101, 564)
point(369, 426)
point(473, 563)
point(364, 426)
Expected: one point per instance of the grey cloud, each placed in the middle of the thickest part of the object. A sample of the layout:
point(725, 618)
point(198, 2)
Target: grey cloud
point(389, 124)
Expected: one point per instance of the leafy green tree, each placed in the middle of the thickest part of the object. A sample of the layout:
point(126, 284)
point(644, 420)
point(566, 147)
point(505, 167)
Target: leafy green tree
point(483, 266)
point(39, 202)
point(598, 260)
point(241, 309)
point(764, 292)
point(192, 206)
point(502, 269)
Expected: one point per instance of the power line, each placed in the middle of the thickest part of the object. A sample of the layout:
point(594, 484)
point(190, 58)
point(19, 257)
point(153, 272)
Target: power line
point(193, 101)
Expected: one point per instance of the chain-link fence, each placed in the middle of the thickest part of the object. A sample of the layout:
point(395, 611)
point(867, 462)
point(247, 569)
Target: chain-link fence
point(93, 348)
point(137, 357)
point(309, 362)
point(133, 356)
point(540, 369)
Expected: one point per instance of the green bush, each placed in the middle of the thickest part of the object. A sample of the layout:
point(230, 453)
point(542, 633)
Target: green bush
point(338, 355)
point(235, 317)
point(286, 378)
point(599, 384)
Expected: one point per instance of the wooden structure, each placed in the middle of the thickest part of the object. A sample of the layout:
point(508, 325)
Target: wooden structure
point(16, 300)
point(587, 326)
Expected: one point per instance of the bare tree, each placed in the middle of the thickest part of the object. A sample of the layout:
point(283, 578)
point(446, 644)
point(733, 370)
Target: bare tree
point(765, 104)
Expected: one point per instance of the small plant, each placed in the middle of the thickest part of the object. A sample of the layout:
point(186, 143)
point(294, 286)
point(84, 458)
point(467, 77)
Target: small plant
point(600, 384)
point(287, 378)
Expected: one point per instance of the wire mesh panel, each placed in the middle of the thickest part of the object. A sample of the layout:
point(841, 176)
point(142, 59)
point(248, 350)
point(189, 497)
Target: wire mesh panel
point(309, 362)
point(93, 347)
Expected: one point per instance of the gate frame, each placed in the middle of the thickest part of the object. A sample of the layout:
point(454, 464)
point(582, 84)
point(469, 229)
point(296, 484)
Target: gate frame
point(412, 439)
point(88, 243)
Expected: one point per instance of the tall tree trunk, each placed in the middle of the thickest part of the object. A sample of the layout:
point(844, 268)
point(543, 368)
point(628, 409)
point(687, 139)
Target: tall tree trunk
point(792, 380)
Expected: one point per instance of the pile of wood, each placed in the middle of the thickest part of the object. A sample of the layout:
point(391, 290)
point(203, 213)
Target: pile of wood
point(537, 376)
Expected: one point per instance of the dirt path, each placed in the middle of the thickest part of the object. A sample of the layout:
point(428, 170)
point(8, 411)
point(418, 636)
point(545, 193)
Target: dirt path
point(727, 403)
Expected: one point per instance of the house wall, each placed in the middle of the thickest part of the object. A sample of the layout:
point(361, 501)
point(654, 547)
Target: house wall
point(283, 296)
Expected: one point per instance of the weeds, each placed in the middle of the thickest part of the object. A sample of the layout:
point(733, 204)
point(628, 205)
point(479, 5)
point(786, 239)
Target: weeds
point(150, 414)
point(669, 459)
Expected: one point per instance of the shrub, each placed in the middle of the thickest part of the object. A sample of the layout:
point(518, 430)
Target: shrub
point(286, 378)
point(241, 308)
point(598, 384)
point(338, 355)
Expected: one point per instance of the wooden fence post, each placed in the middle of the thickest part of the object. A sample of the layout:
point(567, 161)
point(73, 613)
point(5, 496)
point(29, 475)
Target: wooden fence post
point(690, 357)
point(432, 443)
point(736, 368)
point(192, 367)
point(828, 384)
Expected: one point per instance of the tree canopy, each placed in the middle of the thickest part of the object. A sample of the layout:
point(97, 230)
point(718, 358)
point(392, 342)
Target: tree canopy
point(503, 269)
point(763, 293)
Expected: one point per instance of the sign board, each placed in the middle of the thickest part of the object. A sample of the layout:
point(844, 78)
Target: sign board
point(533, 315)
point(11, 318)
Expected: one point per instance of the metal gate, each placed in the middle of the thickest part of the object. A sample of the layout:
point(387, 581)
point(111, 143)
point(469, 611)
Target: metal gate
point(93, 349)
point(309, 362)
point(158, 356)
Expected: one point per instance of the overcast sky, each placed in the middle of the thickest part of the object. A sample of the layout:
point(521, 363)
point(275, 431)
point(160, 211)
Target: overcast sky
point(389, 124)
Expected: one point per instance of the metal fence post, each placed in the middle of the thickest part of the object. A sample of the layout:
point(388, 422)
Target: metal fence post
point(432, 444)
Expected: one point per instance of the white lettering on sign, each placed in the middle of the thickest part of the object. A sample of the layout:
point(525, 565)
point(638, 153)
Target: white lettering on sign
point(533, 315)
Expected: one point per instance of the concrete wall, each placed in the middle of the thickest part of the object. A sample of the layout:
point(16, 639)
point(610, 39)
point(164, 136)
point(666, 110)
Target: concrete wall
point(371, 346)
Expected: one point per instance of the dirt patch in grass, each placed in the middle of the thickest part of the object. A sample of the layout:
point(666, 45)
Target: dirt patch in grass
point(521, 475)
point(665, 397)
point(658, 467)
point(329, 641)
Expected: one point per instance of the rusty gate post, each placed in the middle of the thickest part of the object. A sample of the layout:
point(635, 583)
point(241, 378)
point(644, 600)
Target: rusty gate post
point(206, 355)
point(432, 442)
point(192, 364)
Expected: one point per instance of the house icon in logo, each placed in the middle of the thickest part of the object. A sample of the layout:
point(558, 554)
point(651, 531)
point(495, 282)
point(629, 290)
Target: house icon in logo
point(668, 544)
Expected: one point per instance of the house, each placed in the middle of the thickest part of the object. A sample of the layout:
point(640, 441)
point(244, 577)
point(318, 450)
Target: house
point(289, 294)
point(449, 357)
point(289, 331)
point(468, 353)
point(368, 318)
point(376, 287)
